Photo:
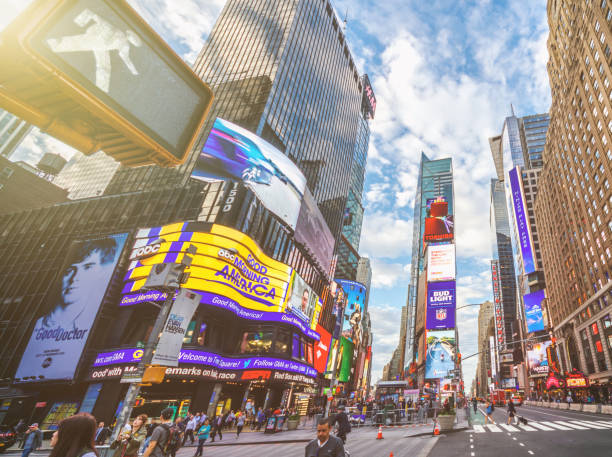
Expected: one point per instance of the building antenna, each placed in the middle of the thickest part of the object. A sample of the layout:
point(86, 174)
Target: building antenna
point(512, 109)
point(345, 21)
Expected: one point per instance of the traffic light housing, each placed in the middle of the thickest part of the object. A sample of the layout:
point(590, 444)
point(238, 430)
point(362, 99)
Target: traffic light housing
point(94, 75)
point(154, 375)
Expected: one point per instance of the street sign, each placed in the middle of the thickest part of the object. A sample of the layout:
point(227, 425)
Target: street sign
point(93, 74)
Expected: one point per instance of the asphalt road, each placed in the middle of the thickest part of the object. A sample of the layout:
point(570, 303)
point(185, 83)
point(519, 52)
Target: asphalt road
point(361, 443)
point(549, 432)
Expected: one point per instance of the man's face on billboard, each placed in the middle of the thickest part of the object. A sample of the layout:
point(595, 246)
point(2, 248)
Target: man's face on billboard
point(305, 300)
point(80, 277)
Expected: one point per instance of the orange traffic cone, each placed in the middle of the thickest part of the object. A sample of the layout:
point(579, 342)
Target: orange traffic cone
point(391, 455)
point(379, 436)
point(437, 429)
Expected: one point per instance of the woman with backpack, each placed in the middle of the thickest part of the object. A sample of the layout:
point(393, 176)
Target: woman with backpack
point(203, 433)
point(75, 437)
point(488, 412)
point(128, 442)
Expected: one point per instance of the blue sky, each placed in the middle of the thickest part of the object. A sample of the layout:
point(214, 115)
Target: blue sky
point(444, 74)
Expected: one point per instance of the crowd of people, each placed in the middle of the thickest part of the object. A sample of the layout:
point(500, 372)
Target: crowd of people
point(573, 397)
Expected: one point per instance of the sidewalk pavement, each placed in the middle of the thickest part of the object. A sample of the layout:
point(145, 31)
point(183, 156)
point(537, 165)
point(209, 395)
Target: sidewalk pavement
point(596, 408)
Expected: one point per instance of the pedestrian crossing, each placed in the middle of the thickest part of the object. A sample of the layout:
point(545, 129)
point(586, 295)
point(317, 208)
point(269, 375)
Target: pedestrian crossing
point(539, 426)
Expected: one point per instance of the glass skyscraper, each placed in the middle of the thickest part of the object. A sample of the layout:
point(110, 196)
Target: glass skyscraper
point(12, 131)
point(283, 70)
point(435, 180)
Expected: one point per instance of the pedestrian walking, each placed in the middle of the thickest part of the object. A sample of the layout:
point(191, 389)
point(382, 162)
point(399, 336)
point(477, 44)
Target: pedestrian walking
point(511, 412)
point(189, 429)
point(475, 404)
point(129, 441)
point(203, 433)
point(21, 428)
point(239, 424)
point(344, 427)
point(217, 428)
point(488, 412)
point(74, 437)
point(102, 433)
point(325, 444)
point(261, 418)
point(165, 439)
point(32, 440)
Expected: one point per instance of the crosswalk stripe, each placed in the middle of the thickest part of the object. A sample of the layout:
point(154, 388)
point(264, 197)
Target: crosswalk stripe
point(540, 426)
point(555, 425)
point(527, 427)
point(604, 423)
point(479, 428)
point(573, 425)
point(493, 427)
point(510, 428)
point(590, 424)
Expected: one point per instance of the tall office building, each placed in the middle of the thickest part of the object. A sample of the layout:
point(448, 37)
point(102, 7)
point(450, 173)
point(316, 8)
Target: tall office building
point(364, 276)
point(574, 203)
point(485, 314)
point(517, 155)
point(283, 70)
point(87, 176)
point(12, 131)
point(435, 180)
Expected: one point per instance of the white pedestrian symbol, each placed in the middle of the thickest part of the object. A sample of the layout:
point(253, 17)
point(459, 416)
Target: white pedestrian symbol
point(100, 38)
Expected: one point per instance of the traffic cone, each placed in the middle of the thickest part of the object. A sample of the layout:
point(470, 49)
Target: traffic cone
point(437, 429)
point(391, 455)
point(379, 436)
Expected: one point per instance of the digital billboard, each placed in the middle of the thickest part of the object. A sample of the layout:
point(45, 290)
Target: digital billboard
point(313, 233)
point(522, 222)
point(344, 374)
point(355, 294)
point(533, 311)
point(441, 302)
point(70, 309)
point(537, 358)
point(229, 271)
point(321, 349)
point(232, 152)
point(440, 358)
point(439, 225)
point(440, 262)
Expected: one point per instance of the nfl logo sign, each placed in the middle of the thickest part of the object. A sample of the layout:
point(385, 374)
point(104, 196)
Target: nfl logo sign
point(441, 314)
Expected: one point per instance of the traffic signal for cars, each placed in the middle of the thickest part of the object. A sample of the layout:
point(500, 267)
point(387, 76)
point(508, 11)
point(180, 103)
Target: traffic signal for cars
point(93, 74)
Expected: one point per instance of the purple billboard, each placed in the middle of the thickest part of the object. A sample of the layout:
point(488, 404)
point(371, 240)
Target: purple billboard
point(522, 224)
point(211, 359)
point(441, 301)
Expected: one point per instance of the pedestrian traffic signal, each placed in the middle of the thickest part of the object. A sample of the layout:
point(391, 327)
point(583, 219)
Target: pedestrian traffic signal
point(94, 75)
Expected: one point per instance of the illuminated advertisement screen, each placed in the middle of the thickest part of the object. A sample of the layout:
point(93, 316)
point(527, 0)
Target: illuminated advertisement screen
point(344, 374)
point(322, 348)
point(441, 302)
point(229, 271)
point(70, 309)
point(522, 223)
point(232, 152)
point(533, 311)
point(440, 357)
point(537, 359)
point(355, 293)
point(441, 262)
point(312, 231)
point(439, 225)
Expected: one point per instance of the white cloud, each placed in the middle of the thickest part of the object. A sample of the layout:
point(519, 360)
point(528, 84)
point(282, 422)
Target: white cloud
point(386, 275)
point(36, 143)
point(385, 235)
point(385, 327)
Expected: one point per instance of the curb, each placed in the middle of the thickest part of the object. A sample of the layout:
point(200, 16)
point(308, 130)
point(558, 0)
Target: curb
point(250, 443)
point(447, 432)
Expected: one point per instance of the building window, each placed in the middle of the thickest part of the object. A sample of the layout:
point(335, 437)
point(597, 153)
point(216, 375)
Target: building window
point(588, 355)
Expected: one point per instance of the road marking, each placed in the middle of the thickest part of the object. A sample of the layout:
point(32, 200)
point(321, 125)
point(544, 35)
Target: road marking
point(555, 425)
point(479, 428)
point(590, 424)
point(561, 416)
point(473, 454)
point(471, 446)
point(514, 438)
point(540, 426)
point(521, 444)
point(527, 427)
point(531, 452)
point(600, 423)
point(493, 427)
point(510, 428)
point(573, 425)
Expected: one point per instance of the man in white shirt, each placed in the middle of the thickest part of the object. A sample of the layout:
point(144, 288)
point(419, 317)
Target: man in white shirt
point(192, 425)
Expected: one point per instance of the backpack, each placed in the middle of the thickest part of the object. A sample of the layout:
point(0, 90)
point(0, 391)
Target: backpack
point(173, 441)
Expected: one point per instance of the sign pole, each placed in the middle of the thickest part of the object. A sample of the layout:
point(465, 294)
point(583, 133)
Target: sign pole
point(134, 389)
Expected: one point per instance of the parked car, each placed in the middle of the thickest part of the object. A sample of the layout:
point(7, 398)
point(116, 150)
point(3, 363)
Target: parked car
point(7, 437)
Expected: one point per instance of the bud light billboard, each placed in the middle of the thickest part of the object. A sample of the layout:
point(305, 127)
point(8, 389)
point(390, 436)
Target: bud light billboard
point(441, 302)
point(533, 311)
point(70, 309)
